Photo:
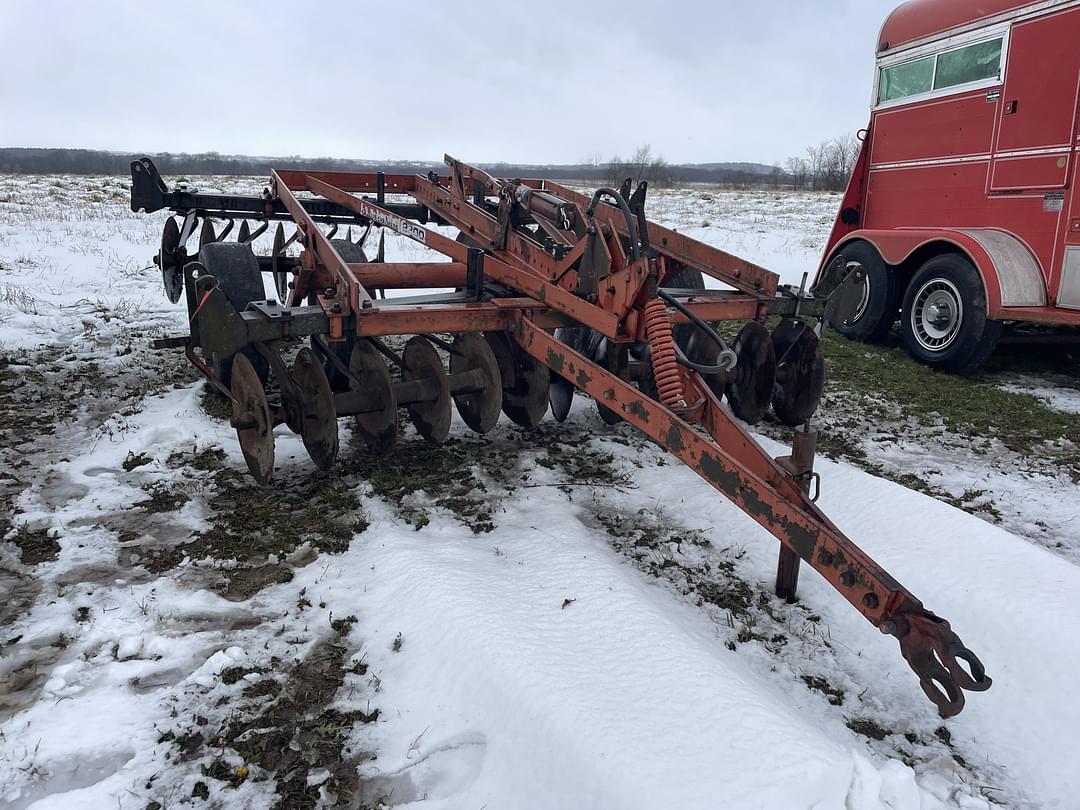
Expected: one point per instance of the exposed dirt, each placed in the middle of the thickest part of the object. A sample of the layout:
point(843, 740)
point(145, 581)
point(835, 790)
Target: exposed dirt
point(283, 729)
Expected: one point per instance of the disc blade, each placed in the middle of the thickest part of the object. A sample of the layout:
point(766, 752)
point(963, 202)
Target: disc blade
point(251, 417)
point(378, 428)
point(281, 278)
point(318, 426)
point(478, 408)
point(432, 418)
point(751, 387)
point(170, 261)
point(800, 372)
point(525, 382)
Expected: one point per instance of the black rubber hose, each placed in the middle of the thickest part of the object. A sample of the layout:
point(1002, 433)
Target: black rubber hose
point(683, 360)
point(631, 221)
point(705, 327)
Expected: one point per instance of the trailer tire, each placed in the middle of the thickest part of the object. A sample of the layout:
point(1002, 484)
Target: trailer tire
point(236, 269)
point(881, 298)
point(944, 323)
point(352, 253)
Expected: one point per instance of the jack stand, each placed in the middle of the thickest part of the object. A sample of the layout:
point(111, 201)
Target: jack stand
point(801, 465)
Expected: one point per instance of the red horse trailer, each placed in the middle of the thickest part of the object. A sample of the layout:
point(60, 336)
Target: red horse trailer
point(962, 212)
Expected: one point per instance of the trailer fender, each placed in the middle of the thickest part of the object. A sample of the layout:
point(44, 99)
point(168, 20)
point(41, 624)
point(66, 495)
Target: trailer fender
point(1009, 270)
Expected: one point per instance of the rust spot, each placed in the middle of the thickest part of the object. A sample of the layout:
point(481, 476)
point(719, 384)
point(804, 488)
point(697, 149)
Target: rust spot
point(554, 361)
point(609, 395)
point(803, 540)
point(637, 408)
point(715, 472)
point(673, 441)
point(583, 379)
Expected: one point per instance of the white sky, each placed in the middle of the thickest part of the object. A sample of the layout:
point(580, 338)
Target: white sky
point(543, 82)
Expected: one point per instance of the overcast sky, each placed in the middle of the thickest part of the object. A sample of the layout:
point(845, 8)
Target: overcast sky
point(530, 82)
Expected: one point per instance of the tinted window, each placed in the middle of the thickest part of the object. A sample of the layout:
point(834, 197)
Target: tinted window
point(906, 79)
point(970, 64)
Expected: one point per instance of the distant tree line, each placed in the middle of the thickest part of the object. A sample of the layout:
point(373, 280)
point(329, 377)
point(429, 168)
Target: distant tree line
point(94, 161)
point(824, 167)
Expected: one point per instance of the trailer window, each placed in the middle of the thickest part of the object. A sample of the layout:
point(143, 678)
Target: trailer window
point(979, 61)
point(907, 79)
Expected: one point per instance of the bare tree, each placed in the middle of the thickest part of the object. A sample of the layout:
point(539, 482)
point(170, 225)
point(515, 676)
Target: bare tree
point(643, 166)
point(797, 172)
point(617, 171)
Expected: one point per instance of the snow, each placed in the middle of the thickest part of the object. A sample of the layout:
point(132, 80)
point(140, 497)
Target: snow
point(538, 665)
point(1060, 397)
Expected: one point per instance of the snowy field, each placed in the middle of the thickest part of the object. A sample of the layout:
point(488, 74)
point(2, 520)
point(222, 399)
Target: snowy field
point(560, 619)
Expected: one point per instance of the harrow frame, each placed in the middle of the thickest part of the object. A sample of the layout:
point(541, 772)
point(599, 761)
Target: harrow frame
point(532, 256)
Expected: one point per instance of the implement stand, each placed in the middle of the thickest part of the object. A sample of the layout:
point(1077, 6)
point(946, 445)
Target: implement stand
point(801, 465)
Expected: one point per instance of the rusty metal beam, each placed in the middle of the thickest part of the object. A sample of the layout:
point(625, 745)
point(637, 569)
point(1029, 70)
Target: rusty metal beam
point(524, 280)
point(406, 275)
point(713, 262)
point(760, 487)
point(350, 295)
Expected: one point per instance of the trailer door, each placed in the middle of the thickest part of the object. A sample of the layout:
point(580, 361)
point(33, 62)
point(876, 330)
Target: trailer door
point(1037, 107)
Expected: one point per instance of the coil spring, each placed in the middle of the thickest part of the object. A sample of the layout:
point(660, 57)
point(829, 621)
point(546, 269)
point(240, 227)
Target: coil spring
point(662, 343)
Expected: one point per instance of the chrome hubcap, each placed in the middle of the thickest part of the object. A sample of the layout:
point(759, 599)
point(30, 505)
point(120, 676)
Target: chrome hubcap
point(936, 314)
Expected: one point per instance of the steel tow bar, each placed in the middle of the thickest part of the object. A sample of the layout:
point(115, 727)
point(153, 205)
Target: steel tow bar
point(739, 469)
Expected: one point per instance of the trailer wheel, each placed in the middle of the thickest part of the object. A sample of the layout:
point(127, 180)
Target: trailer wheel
point(874, 316)
point(352, 253)
point(237, 272)
point(944, 323)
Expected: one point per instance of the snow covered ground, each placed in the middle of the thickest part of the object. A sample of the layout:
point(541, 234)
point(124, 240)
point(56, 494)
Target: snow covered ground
point(567, 618)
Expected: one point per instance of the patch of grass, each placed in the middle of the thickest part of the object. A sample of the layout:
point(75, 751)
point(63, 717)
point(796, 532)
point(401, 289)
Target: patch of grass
point(132, 461)
point(445, 474)
point(162, 499)
point(252, 522)
point(967, 405)
point(819, 684)
point(231, 675)
point(868, 728)
point(267, 687)
point(341, 627)
point(220, 770)
point(208, 459)
point(216, 405)
point(297, 734)
point(35, 546)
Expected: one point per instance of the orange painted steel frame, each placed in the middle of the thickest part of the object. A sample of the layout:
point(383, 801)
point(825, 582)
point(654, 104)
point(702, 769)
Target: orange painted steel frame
point(727, 457)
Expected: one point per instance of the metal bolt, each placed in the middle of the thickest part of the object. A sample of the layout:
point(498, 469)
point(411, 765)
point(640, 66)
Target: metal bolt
point(871, 600)
point(888, 627)
point(825, 557)
point(847, 579)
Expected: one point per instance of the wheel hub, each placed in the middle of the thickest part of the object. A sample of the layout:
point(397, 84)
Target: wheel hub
point(937, 314)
